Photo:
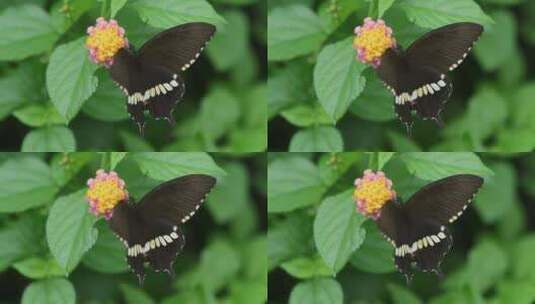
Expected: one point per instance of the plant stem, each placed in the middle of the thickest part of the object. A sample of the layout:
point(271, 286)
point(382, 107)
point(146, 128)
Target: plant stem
point(103, 8)
point(371, 8)
point(105, 161)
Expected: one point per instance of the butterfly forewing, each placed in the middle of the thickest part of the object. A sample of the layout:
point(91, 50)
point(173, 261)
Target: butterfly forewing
point(445, 48)
point(177, 48)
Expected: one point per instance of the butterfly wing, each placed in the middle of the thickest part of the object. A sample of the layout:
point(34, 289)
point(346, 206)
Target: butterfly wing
point(177, 48)
point(445, 48)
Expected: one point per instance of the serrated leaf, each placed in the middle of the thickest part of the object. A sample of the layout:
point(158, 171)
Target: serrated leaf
point(26, 30)
point(437, 165)
point(49, 139)
point(116, 158)
point(169, 13)
point(235, 33)
point(293, 31)
point(219, 263)
point(318, 291)
point(306, 267)
point(38, 115)
point(108, 103)
point(108, 254)
point(69, 229)
point(51, 291)
point(375, 254)
point(317, 139)
point(337, 230)
point(24, 237)
point(436, 13)
point(168, 165)
point(27, 182)
point(402, 295)
point(497, 194)
point(135, 295)
point(305, 115)
point(215, 122)
point(69, 78)
point(233, 189)
point(375, 103)
point(497, 45)
point(39, 267)
point(115, 6)
point(293, 183)
point(337, 78)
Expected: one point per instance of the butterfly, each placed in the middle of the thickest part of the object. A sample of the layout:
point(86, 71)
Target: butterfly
point(418, 228)
point(417, 76)
point(150, 77)
point(151, 229)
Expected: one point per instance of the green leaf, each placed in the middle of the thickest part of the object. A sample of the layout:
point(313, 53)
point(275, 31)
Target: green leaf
point(15, 91)
point(436, 13)
point(116, 5)
point(169, 13)
point(516, 292)
point(50, 291)
point(334, 165)
point(69, 229)
point(219, 263)
point(293, 183)
point(108, 103)
point(497, 44)
point(233, 190)
point(293, 31)
point(383, 158)
point(69, 78)
point(482, 123)
point(26, 183)
point(497, 193)
point(401, 143)
point(289, 86)
point(437, 165)
point(134, 295)
point(289, 238)
point(38, 115)
point(168, 165)
point(39, 268)
point(26, 30)
point(235, 33)
point(49, 139)
point(337, 79)
point(307, 267)
point(24, 237)
point(319, 291)
point(317, 139)
point(337, 230)
point(134, 142)
point(523, 108)
point(375, 254)
point(66, 166)
point(107, 255)
point(65, 14)
point(375, 102)
point(215, 122)
point(402, 295)
point(116, 158)
point(382, 6)
point(305, 115)
point(522, 258)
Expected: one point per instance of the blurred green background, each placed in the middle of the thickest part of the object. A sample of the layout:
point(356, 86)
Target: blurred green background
point(223, 109)
point(321, 99)
point(320, 250)
point(224, 260)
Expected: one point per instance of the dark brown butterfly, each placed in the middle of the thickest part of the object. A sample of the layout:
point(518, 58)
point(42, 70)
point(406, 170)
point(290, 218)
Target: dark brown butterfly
point(417, 77)
point(150, 229)
point(150, 77)
point(418, 228)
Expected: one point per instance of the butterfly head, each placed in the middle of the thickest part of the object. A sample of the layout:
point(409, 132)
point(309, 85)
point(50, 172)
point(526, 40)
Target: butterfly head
point(372, 192)
point(372, 40)
point(106, 190)
point(104, 40)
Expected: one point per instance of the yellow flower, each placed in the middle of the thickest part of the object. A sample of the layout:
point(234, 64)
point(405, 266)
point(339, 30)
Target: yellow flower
point(372, 40)
point(105, 192)
point(104, 41)
point(372, 192)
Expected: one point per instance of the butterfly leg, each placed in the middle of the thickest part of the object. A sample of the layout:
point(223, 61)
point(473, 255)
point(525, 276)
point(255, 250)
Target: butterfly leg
point(438, 120)
point(136, 112)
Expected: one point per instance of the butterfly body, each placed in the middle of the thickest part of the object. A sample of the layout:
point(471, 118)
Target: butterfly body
point(417, 77)
point(418, 229)
point(151, 229)
point(150, 77)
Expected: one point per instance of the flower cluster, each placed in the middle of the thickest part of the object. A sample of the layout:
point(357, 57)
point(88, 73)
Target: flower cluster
point(105, 191)
point(373, 190)
point(372, 39)
point(104, 41)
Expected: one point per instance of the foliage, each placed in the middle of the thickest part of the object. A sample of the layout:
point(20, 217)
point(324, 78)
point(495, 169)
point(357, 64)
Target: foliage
point(320, 250)
point(56, 251)
point(55, 99)
point(319, 93)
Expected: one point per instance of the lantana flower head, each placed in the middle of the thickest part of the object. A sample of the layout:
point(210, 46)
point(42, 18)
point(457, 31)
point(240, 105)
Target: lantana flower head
point(105, 191)
point(104, 41)
point(372, 40)
point(372, 192)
